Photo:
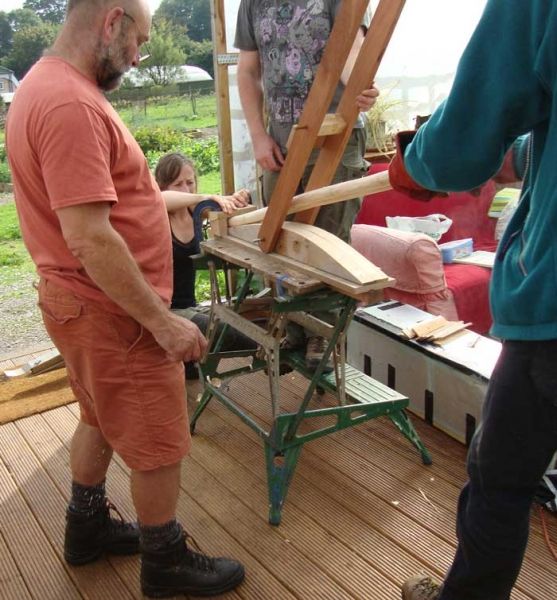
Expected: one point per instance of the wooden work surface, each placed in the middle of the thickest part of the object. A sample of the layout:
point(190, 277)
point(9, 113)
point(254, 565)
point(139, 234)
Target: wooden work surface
point(361, 516)
point(294, 276)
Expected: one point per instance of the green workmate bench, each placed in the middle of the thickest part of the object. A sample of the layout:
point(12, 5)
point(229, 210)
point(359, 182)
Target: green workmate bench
point(359, 397)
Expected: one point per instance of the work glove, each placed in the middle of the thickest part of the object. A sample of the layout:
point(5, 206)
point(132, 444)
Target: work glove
point(398, 175)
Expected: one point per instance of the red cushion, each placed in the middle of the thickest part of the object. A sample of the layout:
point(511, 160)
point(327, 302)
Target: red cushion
point(468, 212)
point(470, 288)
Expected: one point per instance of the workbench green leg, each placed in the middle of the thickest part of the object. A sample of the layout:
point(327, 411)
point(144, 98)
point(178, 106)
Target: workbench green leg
point(280, 468)
point(401, 420)
point(207, 395)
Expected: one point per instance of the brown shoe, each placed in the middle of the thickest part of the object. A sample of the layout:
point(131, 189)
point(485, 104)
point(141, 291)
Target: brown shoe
point(420, 587)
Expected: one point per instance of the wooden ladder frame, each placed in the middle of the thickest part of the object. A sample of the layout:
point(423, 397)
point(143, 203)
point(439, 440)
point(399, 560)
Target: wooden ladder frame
point(314, 122)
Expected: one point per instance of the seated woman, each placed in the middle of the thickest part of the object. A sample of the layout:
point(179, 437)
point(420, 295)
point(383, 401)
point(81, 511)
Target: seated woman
point(177, 179)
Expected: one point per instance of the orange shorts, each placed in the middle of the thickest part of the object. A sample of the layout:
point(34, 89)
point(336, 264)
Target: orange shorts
point(125, 384)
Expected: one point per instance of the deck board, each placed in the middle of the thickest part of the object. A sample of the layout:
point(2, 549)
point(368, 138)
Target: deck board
point(361, 516)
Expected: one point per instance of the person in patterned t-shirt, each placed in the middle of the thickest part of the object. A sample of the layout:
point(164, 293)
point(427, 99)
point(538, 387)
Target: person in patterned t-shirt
point(281, 43)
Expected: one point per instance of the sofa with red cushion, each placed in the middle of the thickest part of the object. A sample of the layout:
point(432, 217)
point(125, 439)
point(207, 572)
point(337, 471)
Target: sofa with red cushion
point(453, 290)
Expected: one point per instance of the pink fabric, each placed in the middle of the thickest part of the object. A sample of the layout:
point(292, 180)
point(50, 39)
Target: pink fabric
point(467, 286)
point(468, 212)
point(414, 260)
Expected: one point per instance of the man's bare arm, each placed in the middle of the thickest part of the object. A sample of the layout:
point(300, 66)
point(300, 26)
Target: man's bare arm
point(267, 152)
point(108, 262)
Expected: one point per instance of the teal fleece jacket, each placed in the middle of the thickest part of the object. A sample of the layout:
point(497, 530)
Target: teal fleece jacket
point(505, 86)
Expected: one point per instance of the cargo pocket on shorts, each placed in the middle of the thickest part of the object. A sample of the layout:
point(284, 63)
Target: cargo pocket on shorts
point(57, 304)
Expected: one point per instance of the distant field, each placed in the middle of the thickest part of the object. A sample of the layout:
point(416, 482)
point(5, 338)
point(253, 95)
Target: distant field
point(176, 113)
point(210, 183)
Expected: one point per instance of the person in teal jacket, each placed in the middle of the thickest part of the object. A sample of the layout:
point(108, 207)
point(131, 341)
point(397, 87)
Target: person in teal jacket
point(505, 87)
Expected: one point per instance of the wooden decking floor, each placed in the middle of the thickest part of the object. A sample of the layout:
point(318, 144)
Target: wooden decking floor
point(362, 513)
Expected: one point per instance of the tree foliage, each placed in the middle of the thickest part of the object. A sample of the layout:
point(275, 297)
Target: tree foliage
point(28, 46)
point(5, 34)
point(165, 55)
point(15, 20)
point(20, 18)
point(51, 11)
point(193, 15)
point(200, 54)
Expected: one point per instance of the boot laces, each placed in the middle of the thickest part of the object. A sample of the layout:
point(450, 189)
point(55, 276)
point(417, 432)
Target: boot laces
point(198, 559)
point(122, 524)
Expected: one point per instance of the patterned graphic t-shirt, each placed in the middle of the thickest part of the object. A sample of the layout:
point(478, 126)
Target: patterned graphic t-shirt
point(290, 36)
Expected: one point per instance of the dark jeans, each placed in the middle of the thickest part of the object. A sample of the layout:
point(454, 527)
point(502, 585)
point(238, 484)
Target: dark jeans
point(508, 456)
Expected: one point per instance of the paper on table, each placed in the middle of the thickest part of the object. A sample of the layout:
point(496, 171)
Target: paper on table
point(481, 258)
point(477, 352)
point(397, 314)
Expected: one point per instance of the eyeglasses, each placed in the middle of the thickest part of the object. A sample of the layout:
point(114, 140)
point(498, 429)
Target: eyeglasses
point(125, 14)
point(143, 56)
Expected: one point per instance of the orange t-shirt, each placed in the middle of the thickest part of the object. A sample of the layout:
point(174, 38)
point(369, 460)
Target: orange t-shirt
point(68, 146)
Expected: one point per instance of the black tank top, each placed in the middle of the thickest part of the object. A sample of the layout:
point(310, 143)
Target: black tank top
point(184, 272)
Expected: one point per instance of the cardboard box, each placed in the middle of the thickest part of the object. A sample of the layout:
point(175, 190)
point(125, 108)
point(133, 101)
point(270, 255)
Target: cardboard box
point(446, 388)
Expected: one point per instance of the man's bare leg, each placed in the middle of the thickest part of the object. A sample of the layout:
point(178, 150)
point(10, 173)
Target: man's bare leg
point(155, 494)
point(90, 455)
point(90, 530)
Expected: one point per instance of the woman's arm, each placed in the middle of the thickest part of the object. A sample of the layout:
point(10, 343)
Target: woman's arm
point(177, 200)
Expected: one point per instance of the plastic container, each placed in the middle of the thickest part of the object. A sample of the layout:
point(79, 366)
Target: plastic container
point(456, 249)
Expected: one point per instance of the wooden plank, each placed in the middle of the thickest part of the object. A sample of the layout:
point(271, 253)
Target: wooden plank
point(283, 268)
point(218, 25)
point(322, 250)
point(250, 257)
point(15, 357)
point(222, 448)
point(209, 532)
point(363, 73)
point(44, 362)
point(347, 23)
point(331, 125)
point(345, 479)
point(49, 505)
point(11, 582)
point(30, 548)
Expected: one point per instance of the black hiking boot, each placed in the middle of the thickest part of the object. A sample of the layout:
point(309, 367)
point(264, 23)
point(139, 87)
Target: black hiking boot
point(88, 537)
point(180, 570)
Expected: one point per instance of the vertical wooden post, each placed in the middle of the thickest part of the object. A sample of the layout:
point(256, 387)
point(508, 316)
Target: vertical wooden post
point(218, 23)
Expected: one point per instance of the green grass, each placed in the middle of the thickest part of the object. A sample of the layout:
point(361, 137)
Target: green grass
point(9, 226)
point(210, 183)
point(176, 113)
point(12, 250)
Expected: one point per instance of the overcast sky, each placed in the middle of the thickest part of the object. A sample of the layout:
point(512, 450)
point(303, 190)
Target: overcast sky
point(8, 5)
point(429, 37)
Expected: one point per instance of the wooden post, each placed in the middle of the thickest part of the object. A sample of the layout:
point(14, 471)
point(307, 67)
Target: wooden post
point(218, 23)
